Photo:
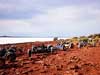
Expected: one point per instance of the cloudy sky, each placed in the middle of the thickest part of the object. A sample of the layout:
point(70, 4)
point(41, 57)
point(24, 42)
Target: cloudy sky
point(49, 18)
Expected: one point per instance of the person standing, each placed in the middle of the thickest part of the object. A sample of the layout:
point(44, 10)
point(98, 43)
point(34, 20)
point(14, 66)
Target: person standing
point(29, 53)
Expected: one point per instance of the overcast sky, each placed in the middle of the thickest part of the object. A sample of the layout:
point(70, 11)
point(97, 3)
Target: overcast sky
point(49, 18)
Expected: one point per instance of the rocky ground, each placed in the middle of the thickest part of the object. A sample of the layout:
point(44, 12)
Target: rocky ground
point(84, 61)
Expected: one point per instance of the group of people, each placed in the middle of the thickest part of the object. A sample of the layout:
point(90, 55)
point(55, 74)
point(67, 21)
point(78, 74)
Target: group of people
point(49, 48)
point(8, 53)
point(90, 42)
point(40, 49)
point(61, 46)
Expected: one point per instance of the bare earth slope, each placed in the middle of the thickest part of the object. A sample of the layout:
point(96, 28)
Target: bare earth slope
point(85, 61)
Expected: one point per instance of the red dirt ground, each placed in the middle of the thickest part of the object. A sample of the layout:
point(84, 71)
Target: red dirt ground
point(84, 61)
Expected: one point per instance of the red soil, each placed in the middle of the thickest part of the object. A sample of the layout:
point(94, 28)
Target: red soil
point(84, 61)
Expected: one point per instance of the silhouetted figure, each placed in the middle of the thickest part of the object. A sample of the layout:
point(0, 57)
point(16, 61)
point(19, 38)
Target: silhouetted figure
point(29, 53)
